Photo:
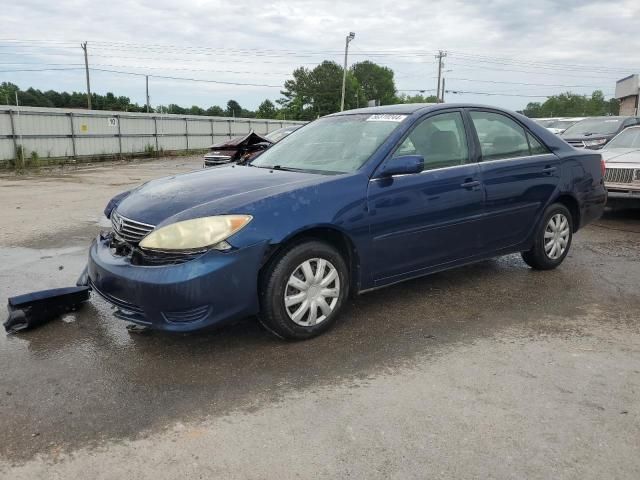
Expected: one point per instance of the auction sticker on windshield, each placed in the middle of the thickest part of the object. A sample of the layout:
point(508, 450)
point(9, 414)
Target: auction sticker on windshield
point(385, 117)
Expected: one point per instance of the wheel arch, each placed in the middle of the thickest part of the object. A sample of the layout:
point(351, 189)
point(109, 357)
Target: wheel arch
point(573, 206)
point(335, 237)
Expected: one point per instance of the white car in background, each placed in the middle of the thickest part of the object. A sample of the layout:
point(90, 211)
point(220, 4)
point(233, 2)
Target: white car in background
point(559, 125)
point(622, 160)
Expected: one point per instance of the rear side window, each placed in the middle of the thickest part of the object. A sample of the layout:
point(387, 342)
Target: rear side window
point(536, 147)
point(501, 137)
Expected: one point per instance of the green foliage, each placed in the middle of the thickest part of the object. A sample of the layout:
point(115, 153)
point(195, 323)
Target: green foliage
point(234, 109)
point(317, 92)
point(375, 82)
point(404, 98)
point(52, 99)
point(572, 105)
point(149, 150)
point(267, 109)
point(215, 111)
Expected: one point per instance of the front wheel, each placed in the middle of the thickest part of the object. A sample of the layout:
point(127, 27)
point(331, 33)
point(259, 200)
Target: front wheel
point(303, 290)
point(553, 239)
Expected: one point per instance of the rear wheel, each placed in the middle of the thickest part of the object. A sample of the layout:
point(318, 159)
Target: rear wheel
point(303, 290)
point(552, 240)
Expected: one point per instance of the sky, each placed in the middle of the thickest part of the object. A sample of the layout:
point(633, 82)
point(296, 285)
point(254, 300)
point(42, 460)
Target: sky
point(499, 52)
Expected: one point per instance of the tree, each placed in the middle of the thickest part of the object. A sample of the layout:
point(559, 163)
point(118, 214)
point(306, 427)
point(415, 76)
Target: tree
point(317, 92)
point(267, 109)
point(196, 110)
point(375, 81)
point(572, 105)
point(215, 111)
point(234, 109)
point(404, 98)
point(8, 93)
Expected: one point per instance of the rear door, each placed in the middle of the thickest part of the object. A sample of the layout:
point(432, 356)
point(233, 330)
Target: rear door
point(519, 174)
point(423, 220)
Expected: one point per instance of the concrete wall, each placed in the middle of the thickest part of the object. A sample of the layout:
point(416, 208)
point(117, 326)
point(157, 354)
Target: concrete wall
point(55, 132)
point(629, 105)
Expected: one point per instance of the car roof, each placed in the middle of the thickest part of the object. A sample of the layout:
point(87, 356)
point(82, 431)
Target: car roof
point(410, 108)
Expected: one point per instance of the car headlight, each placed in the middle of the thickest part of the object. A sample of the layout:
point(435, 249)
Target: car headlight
point(195, 234)
point(594, 143)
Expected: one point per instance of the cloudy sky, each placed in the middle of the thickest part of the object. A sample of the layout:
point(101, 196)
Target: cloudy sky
point(501, 52)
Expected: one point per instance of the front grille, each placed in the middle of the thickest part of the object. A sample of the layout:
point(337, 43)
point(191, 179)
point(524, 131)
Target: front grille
point(188, 316)
point(618, 175)
point(129, 230)
point(576, 143)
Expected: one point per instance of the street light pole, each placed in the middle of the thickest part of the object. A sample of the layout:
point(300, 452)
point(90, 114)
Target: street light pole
point(348, 39)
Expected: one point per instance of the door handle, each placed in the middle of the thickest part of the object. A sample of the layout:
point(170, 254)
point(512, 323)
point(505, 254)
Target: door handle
point(549, 169)
point(469, 183)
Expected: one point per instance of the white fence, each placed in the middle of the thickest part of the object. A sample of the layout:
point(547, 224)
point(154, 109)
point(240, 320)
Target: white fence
point(57, 132)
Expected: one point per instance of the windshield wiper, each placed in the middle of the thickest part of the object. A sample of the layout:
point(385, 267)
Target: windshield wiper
point(287, 169)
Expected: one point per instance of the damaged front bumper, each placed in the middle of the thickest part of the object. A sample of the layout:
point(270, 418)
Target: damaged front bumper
point(211, 289)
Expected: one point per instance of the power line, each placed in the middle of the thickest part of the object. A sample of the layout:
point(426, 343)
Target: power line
point(523, 83)
point(166, 77)
point(501, 94)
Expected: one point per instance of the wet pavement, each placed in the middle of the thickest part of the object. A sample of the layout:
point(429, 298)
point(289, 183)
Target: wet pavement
point(486, 371)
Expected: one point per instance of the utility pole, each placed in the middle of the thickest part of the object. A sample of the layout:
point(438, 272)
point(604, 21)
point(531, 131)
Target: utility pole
point(348, 39)
point(442, 95)
point(439, 56)
point(147, 85)
point(86, 68)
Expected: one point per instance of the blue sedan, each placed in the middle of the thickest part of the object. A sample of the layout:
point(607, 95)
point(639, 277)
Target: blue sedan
point(349, 203)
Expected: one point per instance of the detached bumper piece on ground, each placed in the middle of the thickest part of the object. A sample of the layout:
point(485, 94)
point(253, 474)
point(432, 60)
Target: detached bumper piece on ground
point(37, 308)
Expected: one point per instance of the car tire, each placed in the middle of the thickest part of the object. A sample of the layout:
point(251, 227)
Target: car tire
point(292, 280)
point(553, 238)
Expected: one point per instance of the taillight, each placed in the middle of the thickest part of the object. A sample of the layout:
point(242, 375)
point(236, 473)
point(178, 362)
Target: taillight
point(603, 166)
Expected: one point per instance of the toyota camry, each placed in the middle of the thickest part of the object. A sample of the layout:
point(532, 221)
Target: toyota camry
point(349, 203)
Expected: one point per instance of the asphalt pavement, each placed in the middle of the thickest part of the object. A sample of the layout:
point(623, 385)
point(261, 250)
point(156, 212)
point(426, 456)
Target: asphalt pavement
point(487, 371)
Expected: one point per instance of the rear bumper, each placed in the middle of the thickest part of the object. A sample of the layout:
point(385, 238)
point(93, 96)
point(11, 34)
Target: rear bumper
point(628, 198)
point(212, 289)
point(592, 206)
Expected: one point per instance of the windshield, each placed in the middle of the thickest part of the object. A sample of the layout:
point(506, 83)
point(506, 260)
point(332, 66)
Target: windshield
point(594, 126)
point(562, 124)
point(545, 123)
point(331, 144)
point(629, 138)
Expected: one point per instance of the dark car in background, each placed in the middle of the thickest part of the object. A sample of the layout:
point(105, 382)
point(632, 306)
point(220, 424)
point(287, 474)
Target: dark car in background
point(236, 150)
point(594, 133)
point(245, 147)
point(352, 202)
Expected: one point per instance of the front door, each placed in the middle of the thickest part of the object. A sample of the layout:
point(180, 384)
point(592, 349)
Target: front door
point(422, 221)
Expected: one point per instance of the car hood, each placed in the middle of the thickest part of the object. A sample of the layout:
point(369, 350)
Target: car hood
point(209, 192)
point(621, 155)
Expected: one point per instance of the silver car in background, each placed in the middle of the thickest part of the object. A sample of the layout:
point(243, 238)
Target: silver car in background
point(622, 160)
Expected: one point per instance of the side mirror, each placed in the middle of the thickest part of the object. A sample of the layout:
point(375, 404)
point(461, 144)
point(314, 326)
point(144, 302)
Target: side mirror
point(405, 165)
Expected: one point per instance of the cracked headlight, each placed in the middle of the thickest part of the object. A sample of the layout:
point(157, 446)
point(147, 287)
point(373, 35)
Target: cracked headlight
point(195, 234)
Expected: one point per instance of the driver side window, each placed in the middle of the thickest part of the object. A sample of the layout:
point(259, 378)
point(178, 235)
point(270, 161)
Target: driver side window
point(440, 139)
